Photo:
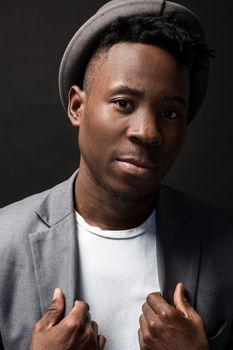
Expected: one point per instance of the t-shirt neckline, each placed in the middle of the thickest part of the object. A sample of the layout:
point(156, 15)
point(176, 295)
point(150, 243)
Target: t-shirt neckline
point(117, 234)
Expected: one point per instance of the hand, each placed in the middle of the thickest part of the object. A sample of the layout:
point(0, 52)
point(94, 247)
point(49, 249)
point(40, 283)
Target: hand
point(73, 332)
point(178, 327)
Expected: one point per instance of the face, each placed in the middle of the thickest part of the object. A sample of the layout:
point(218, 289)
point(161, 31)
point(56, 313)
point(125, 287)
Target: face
point(132, 123)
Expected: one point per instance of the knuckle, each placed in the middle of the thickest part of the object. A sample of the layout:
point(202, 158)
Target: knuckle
point(52, 306)
point(94, 327)
point(150, 297)
point(94, 324)
point(89, 332)
point(72, 326)
point(199, 320)
point(163, 314)
point(144, 307)
point(141, 318)
point(152, 326)
point(58, 310)
point(168, 314)
point(146, 337)
point(88, 318)
point(37, 327)
point(55, 308)
point(84, 306)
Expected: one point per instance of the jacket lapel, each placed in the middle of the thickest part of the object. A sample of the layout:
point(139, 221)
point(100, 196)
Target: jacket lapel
point(178, 245)
point(54, 249)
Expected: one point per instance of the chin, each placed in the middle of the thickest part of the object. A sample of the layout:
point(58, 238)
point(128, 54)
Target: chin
point(130, 195)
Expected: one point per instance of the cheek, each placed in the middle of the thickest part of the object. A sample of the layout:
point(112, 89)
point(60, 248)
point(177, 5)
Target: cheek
point(89, 132)
point(96, 137)
point(101, 128)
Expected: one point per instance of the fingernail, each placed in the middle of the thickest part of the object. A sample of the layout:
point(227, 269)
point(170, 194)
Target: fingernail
point(56, 293)
point(76, 303)
point(181, 287)
point(183, 292)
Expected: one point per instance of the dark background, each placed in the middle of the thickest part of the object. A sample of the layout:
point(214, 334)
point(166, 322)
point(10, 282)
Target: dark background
point(37, 144)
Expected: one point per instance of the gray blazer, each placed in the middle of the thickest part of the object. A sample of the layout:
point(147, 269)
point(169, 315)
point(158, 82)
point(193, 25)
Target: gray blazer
point(38, 252)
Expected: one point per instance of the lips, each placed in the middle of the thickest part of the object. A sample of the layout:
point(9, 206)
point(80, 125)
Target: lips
point(137, 167)
point(139, 163)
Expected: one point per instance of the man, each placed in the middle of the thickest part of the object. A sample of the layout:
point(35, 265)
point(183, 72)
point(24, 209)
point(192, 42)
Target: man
point(151, 266)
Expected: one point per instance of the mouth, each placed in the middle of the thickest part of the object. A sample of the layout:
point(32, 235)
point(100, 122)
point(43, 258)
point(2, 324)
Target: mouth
point(137, 167)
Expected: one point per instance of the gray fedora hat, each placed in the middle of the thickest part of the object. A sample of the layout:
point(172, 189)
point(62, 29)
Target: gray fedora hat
point(81, 46)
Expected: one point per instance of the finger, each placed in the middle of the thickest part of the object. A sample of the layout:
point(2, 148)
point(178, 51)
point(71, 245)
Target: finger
point(158, 304)
point(181, 302)
point(88, 318)
point(78, 314)
point(144, 336)
point(55, 310)
point(101, 341)
point(143, 324)
point(153, 321)
point(94, 327)
point(140, 340)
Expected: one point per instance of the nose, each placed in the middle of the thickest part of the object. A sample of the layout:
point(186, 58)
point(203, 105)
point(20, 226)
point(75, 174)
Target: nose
point(145, 129)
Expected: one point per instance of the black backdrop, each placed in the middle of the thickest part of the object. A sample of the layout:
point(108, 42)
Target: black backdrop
point(38, 146)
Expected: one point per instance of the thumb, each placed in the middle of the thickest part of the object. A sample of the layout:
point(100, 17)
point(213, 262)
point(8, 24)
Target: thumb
point(101, 342)
point(181, 302)
point(55, 311)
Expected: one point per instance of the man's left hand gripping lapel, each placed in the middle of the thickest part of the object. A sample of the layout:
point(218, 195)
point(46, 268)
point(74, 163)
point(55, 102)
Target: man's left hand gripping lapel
point(166, 327)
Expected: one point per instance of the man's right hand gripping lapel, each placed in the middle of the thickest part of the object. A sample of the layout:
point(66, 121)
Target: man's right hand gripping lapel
point(73, 332)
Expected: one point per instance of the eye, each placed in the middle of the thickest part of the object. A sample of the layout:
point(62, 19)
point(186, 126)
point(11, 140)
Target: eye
point(124, 104)
point(169, 115)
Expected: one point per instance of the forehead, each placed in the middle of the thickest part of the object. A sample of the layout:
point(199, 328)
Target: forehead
point(141, 66)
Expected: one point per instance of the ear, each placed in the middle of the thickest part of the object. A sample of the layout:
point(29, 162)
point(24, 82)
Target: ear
point(76, 105)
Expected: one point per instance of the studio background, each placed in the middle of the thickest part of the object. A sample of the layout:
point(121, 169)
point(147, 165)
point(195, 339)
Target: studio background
point(38, 146)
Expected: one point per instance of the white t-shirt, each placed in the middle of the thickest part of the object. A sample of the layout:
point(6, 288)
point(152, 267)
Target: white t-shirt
point(117, 270)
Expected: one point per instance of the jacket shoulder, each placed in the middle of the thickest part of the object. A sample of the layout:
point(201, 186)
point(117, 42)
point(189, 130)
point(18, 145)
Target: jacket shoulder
point(22, 210)
point(17, 221)
point(203, 213)
point(36, 213)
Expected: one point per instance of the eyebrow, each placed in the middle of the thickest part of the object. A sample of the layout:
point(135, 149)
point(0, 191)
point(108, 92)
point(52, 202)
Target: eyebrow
point(124, 89)
point(178, 99)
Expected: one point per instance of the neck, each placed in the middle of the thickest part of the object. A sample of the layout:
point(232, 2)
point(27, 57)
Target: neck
point(102, 209)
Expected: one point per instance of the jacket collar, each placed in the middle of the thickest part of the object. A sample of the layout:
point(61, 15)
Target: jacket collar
point(59, 203)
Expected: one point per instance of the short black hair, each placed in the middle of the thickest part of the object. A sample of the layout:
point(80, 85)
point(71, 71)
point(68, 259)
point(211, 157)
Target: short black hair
point(170, 32)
